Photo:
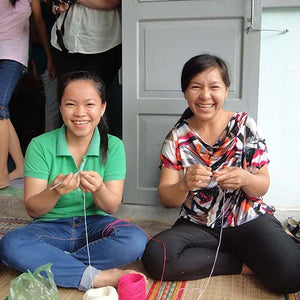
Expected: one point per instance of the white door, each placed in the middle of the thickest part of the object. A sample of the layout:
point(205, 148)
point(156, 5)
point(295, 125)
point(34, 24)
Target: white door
point(158, 38)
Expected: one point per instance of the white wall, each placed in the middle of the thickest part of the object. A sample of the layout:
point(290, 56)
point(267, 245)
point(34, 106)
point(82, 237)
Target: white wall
point(279, 104)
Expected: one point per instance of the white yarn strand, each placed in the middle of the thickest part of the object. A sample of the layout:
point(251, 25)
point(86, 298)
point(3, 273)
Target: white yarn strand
point(87, 239)
point(217, 252)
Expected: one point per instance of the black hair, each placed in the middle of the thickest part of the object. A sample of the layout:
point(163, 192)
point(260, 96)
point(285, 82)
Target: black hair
point(196, 65)
point(98, 83)
point(13, 2)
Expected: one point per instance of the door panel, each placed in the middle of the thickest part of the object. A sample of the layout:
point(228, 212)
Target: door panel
point(154, 62)
point(158, 38)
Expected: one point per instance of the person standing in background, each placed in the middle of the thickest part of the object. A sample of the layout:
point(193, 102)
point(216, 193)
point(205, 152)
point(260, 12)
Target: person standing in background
point(38, 55)
point(14, 44)
point(87, 37)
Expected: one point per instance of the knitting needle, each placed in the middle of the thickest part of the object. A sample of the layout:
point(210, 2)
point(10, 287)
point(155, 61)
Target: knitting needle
point(59, 183)
point(56, 185)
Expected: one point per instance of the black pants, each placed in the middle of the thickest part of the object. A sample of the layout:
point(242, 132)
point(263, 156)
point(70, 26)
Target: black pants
point(105, 65)
point(261, 244)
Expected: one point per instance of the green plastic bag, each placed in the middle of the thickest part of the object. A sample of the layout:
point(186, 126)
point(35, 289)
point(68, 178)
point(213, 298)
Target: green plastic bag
point(34, 286)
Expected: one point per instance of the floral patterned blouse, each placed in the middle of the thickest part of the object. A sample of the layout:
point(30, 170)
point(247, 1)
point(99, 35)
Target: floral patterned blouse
point(242, 146)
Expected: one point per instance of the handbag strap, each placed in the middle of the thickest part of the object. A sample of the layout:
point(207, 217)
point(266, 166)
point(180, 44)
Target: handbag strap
point(60, 33)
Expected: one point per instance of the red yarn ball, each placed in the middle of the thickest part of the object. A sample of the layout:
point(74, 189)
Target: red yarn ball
point(132, 286)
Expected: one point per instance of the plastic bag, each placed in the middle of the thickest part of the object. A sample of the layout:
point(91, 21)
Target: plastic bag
point(34, 286)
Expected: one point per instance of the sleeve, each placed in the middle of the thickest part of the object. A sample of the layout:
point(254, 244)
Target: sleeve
point(169, 155)
point(255, 149)
point(35, 163)
point(115, 166)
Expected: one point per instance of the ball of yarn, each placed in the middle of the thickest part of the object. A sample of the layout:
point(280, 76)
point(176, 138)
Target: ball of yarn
point(132, 286)
point(103, 293)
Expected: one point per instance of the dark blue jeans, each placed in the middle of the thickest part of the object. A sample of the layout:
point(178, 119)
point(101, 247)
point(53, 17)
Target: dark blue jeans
point(261, 244)
point(63, 243)
point(10, 73)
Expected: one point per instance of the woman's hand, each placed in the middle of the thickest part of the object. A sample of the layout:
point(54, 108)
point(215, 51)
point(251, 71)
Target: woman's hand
point(174, 187)
point(107, 195)
point(60, 8)
point(196, 177)
point(66, 183)
point(231, 178)
point(51, 69)
point(253, 185)
point(90, 181)
point(40, 198)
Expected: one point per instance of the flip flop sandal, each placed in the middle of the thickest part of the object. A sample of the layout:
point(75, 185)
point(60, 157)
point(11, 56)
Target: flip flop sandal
point(293, 227)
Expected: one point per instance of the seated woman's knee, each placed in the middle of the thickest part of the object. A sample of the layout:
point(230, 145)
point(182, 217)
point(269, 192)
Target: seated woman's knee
point(10, 243)
point(286, 280)
point(153, 259)
point(136, 240)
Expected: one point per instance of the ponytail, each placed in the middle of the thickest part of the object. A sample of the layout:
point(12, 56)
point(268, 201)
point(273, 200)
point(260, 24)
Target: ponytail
point(187, 114)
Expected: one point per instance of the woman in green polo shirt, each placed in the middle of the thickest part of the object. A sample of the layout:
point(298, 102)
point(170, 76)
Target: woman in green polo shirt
point(74, 179)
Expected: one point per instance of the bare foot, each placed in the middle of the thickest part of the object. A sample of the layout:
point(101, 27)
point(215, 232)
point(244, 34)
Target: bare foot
point(111, 277)
point(15, 174)
point(4, 183)
point(246, 270)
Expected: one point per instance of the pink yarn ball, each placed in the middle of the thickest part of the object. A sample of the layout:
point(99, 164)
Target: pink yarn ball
point(132, 286)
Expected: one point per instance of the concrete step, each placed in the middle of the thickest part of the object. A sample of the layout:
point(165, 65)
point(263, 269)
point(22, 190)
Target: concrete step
point(11, 203)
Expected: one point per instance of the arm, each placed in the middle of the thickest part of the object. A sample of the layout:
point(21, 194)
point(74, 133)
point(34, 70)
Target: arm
point(254, 185)
point(94, 4)
point(107, 195)
point(40, 25)
point(100, 4)
point(33, 33)
point(39, 199)
point(173, 188)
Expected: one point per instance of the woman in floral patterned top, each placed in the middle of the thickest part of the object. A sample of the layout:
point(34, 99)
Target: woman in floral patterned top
point(214, 164)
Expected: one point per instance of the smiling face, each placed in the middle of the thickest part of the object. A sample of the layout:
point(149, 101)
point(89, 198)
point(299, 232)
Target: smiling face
point(81, 108)
point(206, 93)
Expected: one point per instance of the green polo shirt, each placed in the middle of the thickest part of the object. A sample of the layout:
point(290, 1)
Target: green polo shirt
point(48, 155)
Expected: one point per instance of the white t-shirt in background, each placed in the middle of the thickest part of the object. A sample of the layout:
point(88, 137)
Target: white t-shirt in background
point(89, 31)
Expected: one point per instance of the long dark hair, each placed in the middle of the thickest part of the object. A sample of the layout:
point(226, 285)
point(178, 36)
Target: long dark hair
point(196, 65)
point(13, 2)
point(66, 79)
